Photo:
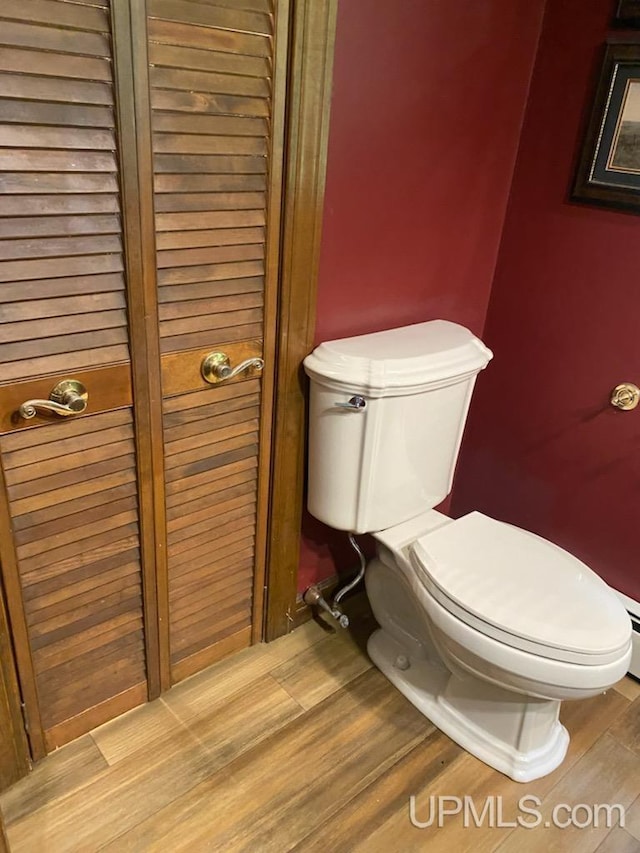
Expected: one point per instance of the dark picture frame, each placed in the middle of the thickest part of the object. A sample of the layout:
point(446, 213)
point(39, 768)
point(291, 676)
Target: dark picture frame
point(609, 166)
point(627, 13)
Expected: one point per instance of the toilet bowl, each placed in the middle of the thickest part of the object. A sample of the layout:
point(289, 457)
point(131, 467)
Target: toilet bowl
point(494, 691)
point(484, 627)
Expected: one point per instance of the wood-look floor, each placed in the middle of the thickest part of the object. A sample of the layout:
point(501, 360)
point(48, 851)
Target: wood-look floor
point(302, 745)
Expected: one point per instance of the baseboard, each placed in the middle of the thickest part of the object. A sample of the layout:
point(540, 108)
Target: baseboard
point(633, 609)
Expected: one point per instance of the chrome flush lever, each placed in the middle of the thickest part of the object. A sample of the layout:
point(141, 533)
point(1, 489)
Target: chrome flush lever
point(355, 403)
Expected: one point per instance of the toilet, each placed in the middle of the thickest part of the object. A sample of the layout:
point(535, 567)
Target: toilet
point(484, 627)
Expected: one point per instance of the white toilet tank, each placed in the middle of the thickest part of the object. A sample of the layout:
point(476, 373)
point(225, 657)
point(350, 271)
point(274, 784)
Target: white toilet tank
point(386, 418)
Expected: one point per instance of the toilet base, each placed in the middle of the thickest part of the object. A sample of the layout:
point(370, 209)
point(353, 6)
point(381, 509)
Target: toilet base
point(518, 735)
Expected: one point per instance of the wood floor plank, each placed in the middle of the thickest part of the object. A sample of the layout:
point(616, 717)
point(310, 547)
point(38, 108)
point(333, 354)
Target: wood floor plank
point(117, 799)
point(632, 822)
point(290, 747)
point(142, 728)
point(619, 841)
point(387, 796)
point(237, 723)
point(606, 774)
point(469, 776)
point(629, 687)
point(309, 684)
point(276, 797)
point(627, 728)
point(58, 775)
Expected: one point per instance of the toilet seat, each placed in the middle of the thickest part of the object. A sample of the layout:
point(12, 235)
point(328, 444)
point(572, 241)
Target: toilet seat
point(521, 590)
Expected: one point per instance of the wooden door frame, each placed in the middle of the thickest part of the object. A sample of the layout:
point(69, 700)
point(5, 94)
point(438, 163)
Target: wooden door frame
point(312, 37)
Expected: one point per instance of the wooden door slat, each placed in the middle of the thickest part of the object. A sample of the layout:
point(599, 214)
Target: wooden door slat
point(208, 495)
point(47, 603)
point(185, 437)
point(236, 545)
point(76, 554)
point(57, 287)
point(205, 255)
point(203, 479)
point(63, 14)
point(100, 635)
point(74, 91)
point(209, 219)
point(61, 430)
point(97, 506)
point(73, 482)
point(195, 405)
point(48, 580)
point(173, 328)
point(68, 115)
point(190, 163)
point(190, 549)
point(183, 80)
point(225, 126)
point(210, 272)
point(208, 38)
point(46, 247)
point(210, 289)
point(185, 200)
point(67, 448)
point(79, 614)
point(233, 560)
point(236, 585)
point(216, 461)
point(218, 499)
point(58, 65)
point(58, 226)
point(28, 136)
point(75, 346)
point(209, 337)
point(51, 38)
point(211, 15)
point(36, 160)
point(61, 307)
point(196, 59)
point(220, 439)
point(194, 143)
point(207, 103)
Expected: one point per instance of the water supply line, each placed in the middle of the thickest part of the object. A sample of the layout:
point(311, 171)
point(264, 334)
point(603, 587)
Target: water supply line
point(314, 598)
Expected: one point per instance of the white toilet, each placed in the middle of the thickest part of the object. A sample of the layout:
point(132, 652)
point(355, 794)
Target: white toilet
point(484, 627)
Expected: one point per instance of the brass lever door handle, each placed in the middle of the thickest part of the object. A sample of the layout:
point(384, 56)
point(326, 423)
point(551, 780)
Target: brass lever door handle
point(216, 367)
point(625, 396)
point(69, 397)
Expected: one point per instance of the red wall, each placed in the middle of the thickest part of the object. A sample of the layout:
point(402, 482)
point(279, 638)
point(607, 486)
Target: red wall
point(543, 448)
point(426, 113)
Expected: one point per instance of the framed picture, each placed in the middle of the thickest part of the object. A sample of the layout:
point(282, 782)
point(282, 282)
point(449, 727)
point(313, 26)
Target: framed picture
point(609, 167)
point(627, 13)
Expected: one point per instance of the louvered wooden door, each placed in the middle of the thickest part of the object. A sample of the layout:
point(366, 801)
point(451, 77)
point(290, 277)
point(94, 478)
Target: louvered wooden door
point(130, 534)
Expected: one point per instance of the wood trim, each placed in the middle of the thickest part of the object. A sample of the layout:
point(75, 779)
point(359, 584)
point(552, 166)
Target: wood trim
point(19, 629)
point(202, 659)
point(271, 306)
point(92, 717)
point(12, 732)
point(129, 21)
point(313, 37)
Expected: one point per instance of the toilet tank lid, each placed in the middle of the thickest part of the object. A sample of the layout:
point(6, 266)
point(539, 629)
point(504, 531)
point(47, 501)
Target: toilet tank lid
point(399, 360)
